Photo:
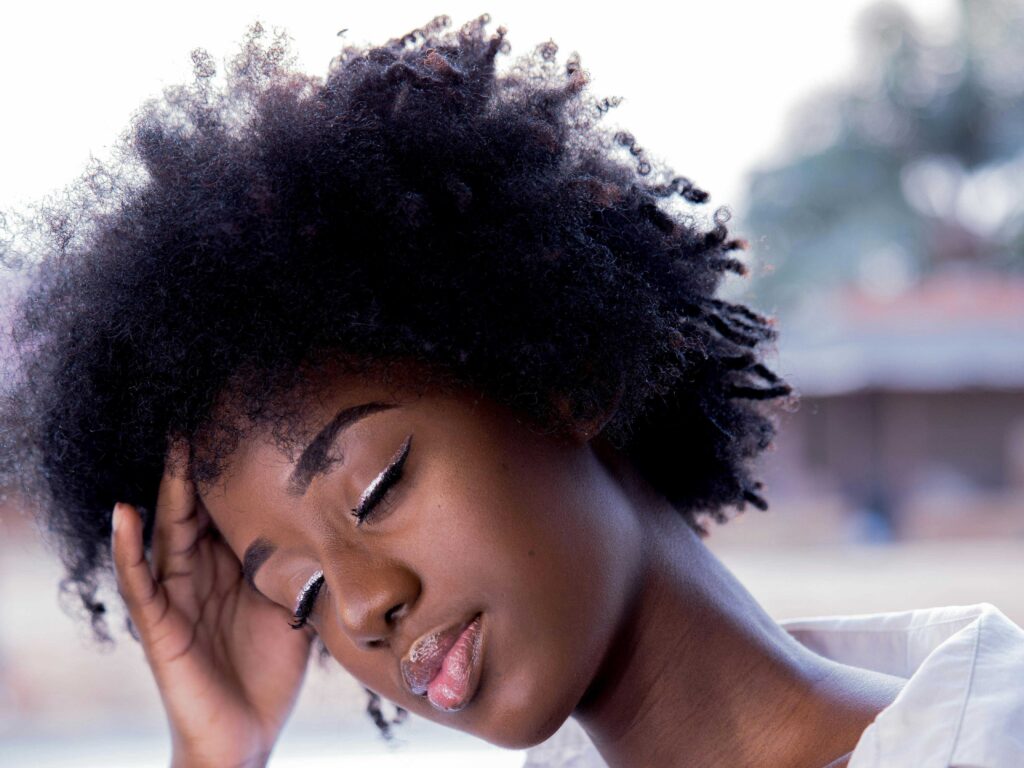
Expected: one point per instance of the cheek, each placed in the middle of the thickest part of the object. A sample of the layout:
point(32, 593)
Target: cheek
point(546, 571)
point(536, 537)
point(528, 538)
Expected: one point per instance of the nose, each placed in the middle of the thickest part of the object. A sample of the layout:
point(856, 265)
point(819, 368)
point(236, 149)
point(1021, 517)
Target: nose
point(370, 599)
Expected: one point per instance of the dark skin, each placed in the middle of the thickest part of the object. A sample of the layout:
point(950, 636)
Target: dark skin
point(597, 600)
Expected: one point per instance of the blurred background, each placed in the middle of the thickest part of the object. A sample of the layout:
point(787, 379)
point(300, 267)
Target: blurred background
point(872, 154)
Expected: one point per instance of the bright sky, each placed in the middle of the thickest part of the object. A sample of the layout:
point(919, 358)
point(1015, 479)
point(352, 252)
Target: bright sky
point(705, 86)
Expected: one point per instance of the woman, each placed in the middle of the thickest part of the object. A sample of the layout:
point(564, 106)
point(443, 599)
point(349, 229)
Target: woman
point(418, 362)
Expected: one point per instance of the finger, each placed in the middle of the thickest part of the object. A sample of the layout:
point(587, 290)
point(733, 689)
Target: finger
point(145, 600)
point(178, 525)
point(225, 567)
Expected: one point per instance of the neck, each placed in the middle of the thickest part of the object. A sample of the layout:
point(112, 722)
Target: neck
point(699, 675)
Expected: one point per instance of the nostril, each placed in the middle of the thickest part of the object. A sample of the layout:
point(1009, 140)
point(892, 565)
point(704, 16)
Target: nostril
point(393, 612)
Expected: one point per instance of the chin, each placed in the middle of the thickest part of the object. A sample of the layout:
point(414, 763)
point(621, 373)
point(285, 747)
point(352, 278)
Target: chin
point(516, 734)
point(522, 721)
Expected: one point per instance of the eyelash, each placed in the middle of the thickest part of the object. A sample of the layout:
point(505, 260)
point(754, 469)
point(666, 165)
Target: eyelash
point(307, 596)
point(372, 499)
point(378, 490)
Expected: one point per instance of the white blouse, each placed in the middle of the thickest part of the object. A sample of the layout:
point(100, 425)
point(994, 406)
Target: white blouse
point(961, 707)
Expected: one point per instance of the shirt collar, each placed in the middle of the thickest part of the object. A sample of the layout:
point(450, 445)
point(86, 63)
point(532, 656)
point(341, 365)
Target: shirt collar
point(957, 707)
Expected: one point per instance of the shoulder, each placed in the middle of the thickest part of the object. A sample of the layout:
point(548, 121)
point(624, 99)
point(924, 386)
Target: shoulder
point(957, 708)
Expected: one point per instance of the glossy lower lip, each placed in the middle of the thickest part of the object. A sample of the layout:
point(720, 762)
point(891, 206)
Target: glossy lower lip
point(426, 656)
point(473, 679)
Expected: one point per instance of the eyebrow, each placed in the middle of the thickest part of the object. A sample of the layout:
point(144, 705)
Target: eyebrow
point(313, 461)
point(315, 458)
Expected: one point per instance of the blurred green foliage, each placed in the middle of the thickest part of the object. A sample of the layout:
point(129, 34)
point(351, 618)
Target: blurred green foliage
point(914, 165)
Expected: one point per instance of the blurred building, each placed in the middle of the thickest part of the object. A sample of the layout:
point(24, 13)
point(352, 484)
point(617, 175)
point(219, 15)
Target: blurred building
point(911, 421)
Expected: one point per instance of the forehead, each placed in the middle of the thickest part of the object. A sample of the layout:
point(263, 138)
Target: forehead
point(271, 467)
point(262, 466)
point(289, 420)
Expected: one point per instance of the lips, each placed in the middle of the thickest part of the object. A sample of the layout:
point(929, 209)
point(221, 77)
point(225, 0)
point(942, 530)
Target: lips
point(425, 657)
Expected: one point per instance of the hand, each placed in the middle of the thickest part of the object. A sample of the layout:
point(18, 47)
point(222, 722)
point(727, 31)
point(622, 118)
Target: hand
point(227, 664)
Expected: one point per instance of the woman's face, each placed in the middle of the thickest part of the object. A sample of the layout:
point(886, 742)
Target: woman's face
point(481, 517)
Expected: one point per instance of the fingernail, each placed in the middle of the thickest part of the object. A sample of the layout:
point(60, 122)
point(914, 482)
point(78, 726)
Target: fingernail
point(116, 516)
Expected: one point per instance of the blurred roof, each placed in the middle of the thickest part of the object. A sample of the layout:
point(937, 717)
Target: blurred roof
point(948, 332)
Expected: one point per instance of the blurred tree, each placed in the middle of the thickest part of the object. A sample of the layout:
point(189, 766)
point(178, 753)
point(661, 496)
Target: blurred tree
point(913, 167)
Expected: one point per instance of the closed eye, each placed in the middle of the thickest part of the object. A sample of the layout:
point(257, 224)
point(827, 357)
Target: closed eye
point(377, 490)
point(306, 599)
point(371, 500)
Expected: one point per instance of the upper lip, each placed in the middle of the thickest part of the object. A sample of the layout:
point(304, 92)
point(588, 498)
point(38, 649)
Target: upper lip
point(425, 656)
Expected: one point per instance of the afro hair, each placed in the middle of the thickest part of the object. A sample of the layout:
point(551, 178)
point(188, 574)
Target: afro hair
point(414, 205)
